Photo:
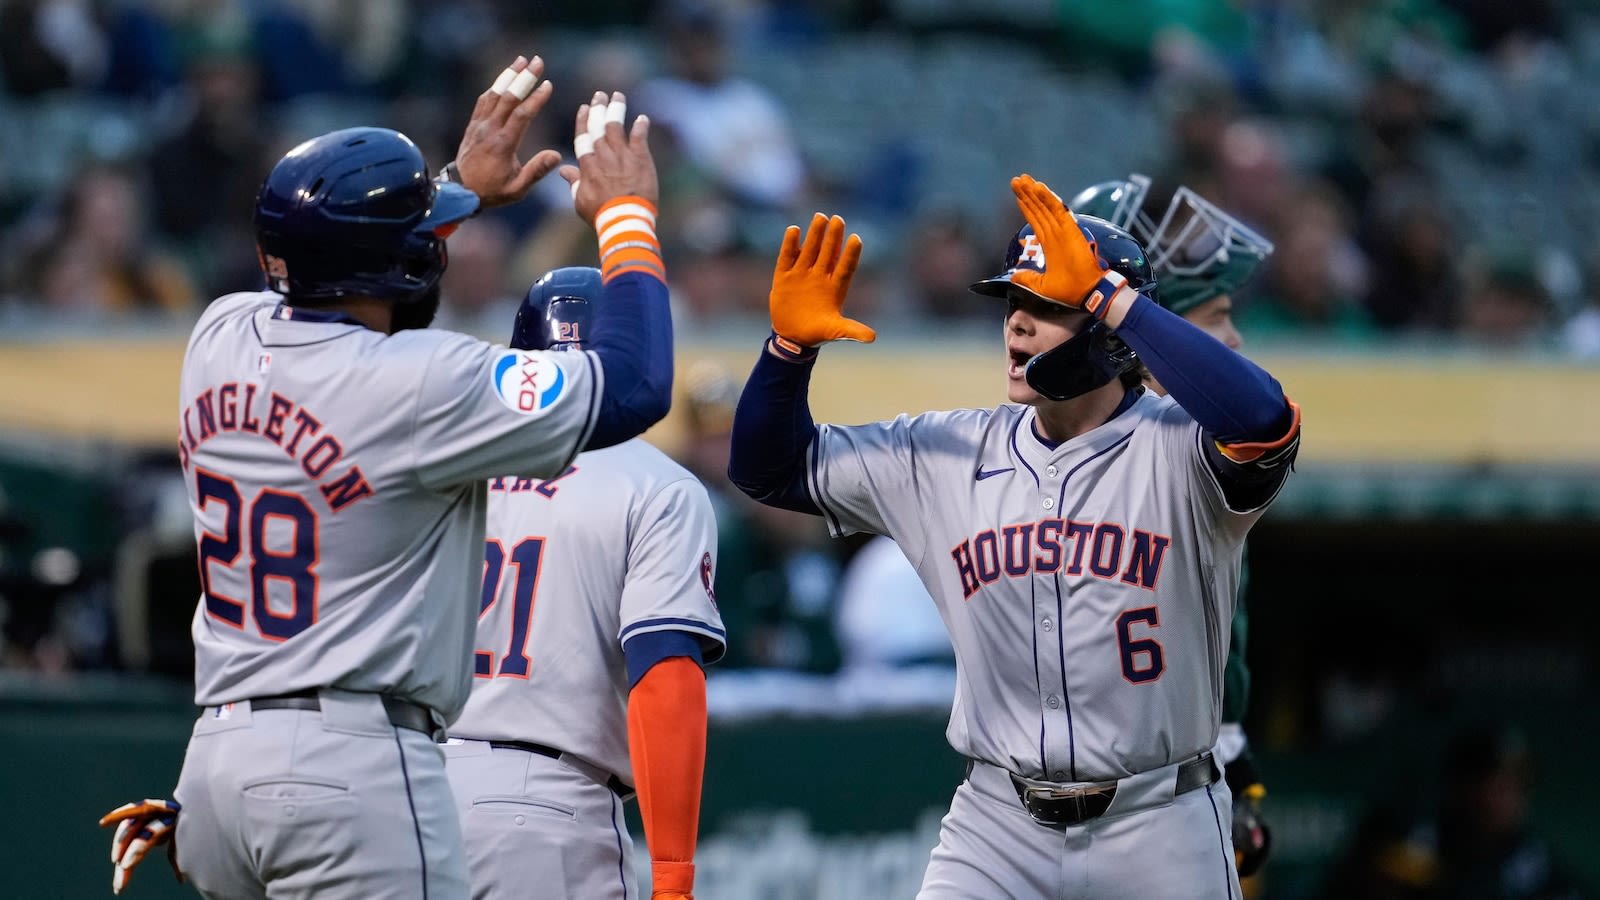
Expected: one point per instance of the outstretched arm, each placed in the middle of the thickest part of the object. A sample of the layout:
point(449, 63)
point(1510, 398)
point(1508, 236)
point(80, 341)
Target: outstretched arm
point(772, 426)
point(772, 429)
point(614, 189)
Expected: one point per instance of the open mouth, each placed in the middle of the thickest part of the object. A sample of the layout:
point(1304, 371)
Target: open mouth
point(1019, 363)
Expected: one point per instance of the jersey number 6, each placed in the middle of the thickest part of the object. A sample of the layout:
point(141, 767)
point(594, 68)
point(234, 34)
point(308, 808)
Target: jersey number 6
point(1142, 660)
point(525, 556)
point(295, 566)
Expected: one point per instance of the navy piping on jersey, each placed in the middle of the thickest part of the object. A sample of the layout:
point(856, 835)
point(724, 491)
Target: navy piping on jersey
point(411, 804)
point(1038, 684)
point(1033, 600)
point(291, 314)
point(814, 476)
point(1061, 633)
point(1227, 862)
point(288, 313)
point(622, 855)
point(595, 373)
point(691, 624)
point(1066, 695)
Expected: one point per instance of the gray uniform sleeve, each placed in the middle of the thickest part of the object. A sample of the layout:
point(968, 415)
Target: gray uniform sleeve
point(1184, 445)
point(672, 557)
point(867, 477)
point(484, 410)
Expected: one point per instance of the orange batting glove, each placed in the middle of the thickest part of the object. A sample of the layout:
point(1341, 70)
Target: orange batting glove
point(1074, 275)
point(140, 827)
point(809, 284)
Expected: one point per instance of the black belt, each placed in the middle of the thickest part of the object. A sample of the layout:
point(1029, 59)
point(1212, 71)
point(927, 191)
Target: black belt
point(1059, 807)
point(402, 713)
point(614, 783)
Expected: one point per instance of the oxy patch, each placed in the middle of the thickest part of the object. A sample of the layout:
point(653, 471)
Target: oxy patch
point(528, 383)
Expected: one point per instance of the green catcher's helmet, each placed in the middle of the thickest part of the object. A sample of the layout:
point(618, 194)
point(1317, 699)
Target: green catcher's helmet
point(1197, 251)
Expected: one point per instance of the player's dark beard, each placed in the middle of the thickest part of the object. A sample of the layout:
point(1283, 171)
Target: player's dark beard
point(416, 314)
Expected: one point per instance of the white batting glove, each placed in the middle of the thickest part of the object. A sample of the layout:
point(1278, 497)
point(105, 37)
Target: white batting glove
point(141, 827)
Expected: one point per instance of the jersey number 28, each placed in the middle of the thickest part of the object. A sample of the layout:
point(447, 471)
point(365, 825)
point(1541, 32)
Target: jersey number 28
point(291, 562)
point(525, 558)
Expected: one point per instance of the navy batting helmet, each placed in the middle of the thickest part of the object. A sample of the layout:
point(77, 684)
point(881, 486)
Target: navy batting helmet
point(354, 213)
point(1094, 356)
point(555, 315)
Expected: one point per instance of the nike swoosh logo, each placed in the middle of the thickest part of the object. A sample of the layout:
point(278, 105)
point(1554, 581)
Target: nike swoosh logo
point(993, 472)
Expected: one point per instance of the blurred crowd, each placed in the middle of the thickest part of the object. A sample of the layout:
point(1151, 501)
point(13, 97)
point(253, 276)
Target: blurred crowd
point(1426, 168)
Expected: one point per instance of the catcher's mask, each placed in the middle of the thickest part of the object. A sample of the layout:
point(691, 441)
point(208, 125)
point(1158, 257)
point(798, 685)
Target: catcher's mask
point(1199, 251)
point(1094, 356)
point(556, 313)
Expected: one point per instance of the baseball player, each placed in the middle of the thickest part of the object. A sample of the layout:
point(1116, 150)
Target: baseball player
point(1081, 541)
point(597, 616)
point(1200, 255)
point(339, 454)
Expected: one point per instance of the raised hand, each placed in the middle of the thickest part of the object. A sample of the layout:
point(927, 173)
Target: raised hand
point(487, 158)
point(810, 282)
point(611, 164)
point(1073, 270)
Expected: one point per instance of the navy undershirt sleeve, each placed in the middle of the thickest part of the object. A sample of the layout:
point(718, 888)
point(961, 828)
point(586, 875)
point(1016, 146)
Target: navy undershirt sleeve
point(772, 429)
point(641, 652)
point(633, 338)
point(1232, 398)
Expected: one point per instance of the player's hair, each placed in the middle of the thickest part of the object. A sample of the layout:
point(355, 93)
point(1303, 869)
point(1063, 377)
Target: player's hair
point(1134, 377)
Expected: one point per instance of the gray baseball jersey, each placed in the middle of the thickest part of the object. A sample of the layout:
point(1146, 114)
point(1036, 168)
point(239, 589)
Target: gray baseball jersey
point(1087, 588)
point(339, 494)
point(620, 544)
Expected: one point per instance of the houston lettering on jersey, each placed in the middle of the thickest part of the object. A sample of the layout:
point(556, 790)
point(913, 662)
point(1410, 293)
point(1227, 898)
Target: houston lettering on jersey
point(278, 419)
point(1105, 550)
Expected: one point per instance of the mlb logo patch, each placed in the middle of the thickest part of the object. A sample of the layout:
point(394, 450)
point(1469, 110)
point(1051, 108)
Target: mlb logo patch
point(225, 711)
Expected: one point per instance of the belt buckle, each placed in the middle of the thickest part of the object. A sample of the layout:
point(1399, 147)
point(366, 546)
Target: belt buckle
point(1075, 795)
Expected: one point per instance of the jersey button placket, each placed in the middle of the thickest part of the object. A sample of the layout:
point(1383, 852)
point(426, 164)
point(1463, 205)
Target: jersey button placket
point(1051, 471)
point(1049, 503)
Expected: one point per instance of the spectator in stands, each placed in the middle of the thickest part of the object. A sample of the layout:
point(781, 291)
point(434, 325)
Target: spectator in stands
point(1414, 282)
point(1315, 278)
point(473, 294)
point(1506, 306)
point(1581, 334)
point(1479, 845)
point(206, 172)
point(95, 255)
point(50, 46)
point(941, 260)
point(728, 127)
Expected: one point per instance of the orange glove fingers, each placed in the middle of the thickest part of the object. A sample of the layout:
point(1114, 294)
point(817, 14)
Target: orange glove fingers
point(849, 261)
point(813, 242)
point(832, 242)
point(789, 253)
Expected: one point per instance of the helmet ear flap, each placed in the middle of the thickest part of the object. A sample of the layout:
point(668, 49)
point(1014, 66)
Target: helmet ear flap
point(1088, 360)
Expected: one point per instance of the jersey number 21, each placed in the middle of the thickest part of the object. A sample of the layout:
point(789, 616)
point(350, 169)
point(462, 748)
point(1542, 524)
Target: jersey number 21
point(525, 558)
